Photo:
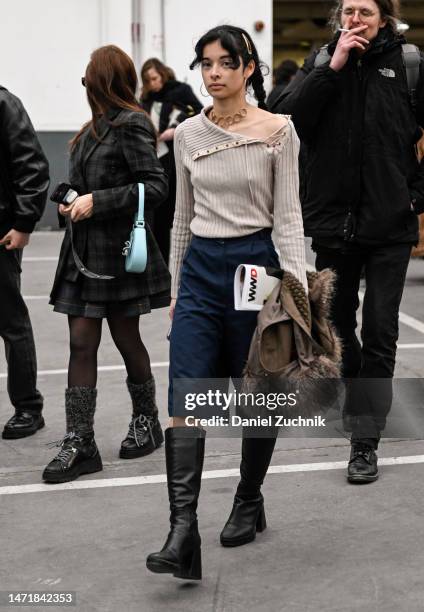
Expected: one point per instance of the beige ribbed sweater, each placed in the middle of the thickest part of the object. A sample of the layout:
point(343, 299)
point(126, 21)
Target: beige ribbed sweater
point(231, 185)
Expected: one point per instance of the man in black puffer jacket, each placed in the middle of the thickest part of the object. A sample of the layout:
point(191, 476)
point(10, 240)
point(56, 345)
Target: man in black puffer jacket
point(24, 180)
point(362, 190)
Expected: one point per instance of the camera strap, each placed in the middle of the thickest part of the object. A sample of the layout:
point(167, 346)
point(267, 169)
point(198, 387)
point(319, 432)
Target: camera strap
point(79, 264)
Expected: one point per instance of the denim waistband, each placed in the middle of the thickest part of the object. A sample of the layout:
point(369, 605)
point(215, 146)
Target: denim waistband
point(263, 234)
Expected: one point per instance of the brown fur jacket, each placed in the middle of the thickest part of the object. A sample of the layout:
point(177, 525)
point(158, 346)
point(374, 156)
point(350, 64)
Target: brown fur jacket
point(295, 348)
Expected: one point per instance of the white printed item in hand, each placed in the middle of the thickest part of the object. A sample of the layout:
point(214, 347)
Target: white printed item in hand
point(252, 287)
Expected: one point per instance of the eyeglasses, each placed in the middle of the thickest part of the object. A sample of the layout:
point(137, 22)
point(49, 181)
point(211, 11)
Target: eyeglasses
point(83, 82)
point(363, 12)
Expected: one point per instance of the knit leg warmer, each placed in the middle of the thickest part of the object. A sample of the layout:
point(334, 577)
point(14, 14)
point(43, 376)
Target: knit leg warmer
point(80, 405)
point(143, 398)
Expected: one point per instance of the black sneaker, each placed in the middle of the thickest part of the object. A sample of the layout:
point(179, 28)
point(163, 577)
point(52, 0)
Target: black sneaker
point(77, 456)
point(362, 466)
point(144, 436)
point(22, 424)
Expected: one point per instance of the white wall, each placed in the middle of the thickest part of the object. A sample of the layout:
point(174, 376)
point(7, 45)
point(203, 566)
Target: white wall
point(151, 35)
point(45, 47)
point(186, 21)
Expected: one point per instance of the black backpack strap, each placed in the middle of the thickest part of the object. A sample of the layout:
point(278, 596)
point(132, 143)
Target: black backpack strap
point(412, 62)
point(322, 57)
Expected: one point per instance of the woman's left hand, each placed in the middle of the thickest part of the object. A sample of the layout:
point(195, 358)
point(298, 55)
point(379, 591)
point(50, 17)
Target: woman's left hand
point(167, 135)
point(82, 208)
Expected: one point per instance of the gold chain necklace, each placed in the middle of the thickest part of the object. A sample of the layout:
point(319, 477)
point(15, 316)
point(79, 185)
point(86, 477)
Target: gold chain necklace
point(225, 121)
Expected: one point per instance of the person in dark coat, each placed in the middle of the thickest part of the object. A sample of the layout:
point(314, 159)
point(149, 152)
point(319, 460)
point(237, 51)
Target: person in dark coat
point(110, 155)
point(284, 74)
point(168, 103)
point(24, 180)
point(363, 189)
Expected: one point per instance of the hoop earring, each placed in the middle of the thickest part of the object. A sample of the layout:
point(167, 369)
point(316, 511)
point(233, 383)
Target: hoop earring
point(206, 95)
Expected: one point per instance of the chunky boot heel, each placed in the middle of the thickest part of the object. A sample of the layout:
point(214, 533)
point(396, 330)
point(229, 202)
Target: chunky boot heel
point(248, 515)
point(261, 522)
point(181, 553)
point(246, 518)
point(192, 569)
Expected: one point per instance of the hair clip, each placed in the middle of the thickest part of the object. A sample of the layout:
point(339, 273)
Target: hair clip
point(247, 42)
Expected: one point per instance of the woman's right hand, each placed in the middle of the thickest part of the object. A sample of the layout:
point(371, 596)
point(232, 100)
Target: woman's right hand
point(65, 210)
point(172, 308)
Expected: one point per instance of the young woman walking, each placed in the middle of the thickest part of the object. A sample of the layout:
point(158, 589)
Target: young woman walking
point(237, 181)
point(110, 155)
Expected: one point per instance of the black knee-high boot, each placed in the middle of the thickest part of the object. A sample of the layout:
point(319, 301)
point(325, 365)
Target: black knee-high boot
point(180, 556)
point(248, 514)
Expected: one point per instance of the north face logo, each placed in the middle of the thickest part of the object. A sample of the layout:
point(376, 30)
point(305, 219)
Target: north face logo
point(387, 72)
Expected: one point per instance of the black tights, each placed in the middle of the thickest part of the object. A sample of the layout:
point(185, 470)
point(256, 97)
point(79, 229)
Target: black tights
point(85, 335)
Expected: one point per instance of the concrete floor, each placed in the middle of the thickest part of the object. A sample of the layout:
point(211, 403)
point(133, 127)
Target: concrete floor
point(329, 546)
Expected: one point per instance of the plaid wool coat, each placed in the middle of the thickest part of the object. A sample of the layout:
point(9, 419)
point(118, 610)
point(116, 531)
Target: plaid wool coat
point(110, 168)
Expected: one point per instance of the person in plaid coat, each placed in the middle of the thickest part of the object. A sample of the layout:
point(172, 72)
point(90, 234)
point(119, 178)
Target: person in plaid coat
point(110, 155)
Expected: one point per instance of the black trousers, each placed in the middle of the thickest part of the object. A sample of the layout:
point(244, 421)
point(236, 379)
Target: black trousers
point(16, 331)
point(368, 367)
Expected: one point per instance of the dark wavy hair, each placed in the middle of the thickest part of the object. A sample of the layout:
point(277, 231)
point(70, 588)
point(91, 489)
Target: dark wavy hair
point(111, 82)
point(389, 10)
point(239, 44)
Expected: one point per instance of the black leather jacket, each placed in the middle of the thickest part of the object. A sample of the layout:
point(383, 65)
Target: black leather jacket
point(24, 170)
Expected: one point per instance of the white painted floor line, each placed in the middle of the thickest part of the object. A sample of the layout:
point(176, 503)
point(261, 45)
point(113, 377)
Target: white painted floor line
point(411, 346)
point(35, 259)
point(51, 233)
point(111, 368)
point(411, 322)
point(403, 318)
point(207, 475)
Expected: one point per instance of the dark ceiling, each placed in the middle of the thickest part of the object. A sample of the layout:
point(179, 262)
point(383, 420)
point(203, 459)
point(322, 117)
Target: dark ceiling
point(302, 23)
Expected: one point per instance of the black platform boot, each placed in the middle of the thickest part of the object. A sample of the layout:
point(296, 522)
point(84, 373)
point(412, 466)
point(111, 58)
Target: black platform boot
point(78, 451)
point(145, 433)
point(180, 556)
point(248, 514)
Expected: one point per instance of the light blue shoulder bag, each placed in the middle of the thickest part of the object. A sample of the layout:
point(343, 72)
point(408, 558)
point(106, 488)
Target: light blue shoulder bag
point(135, 249)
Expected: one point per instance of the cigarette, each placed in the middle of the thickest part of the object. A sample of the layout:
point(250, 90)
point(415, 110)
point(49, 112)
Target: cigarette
point(343, 30)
